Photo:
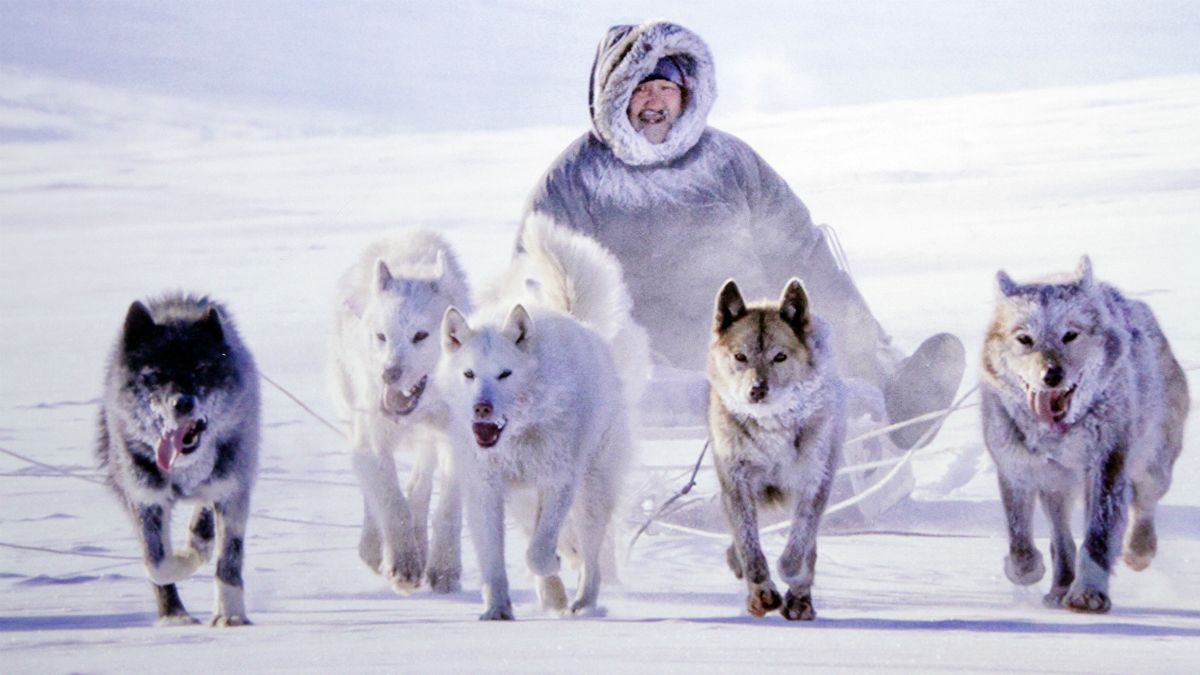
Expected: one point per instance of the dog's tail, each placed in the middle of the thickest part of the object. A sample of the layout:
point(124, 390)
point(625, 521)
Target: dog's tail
point(573, 273)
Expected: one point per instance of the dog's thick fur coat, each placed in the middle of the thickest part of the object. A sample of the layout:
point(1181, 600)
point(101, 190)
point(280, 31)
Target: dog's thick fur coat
point(382, 357)
point(540, 404)
point(777, 422)
point(179, 422)
point(1081, 397)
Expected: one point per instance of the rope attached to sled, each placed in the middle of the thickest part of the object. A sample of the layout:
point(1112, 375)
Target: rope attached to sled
point(898, 462)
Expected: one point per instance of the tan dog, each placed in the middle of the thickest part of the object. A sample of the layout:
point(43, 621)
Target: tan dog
point(777, 421)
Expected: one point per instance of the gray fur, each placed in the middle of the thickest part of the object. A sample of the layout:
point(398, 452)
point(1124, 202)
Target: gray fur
point(777, 423)
point(180, 371)
point(683, 216)
point(1082, 397)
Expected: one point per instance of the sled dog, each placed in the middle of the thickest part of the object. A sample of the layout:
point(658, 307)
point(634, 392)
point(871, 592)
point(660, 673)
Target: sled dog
point(777, 421)
point(179, 422)
point(382, 360)
point(1081, 397)
point(540, 403)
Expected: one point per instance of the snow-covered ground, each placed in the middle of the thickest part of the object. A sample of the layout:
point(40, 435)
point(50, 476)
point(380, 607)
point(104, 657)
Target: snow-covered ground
point(112, 190)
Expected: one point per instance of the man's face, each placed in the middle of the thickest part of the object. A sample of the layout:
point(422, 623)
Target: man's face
point(654, 107)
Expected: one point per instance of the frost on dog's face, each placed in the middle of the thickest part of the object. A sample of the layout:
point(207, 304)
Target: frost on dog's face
point(760, 353)
point(401, 317)
point(486, 373)
point(174, 371)
point(1048, 344)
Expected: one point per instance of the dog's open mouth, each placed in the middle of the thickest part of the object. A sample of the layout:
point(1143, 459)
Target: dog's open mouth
point(487, 434)
point(398, 402)
point(1051, 405)
point(182, 440)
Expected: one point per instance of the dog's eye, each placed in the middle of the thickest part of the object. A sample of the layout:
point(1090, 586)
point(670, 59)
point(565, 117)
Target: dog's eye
point(739, 357)
point(380, 337)
point(1070, 336)
point(1025, 340)
point(421, 335)
point(469, 374)
point(503, 374)
point(780, 357)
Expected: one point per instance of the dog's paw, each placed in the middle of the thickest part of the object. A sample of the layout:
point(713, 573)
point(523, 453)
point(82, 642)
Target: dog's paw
point(405, 574)
point(552, 594)
point(444, 580)
point(229, 621)
point(1024, 568)
point(1087, 601)
point(183, 619)
point(543, 561)
point(798, 607)
point(1140, 546)
point(735, 563)
point(580, 608)
point(499, 613)
point(762, 600)
point(1054, 599)
point(371, 553)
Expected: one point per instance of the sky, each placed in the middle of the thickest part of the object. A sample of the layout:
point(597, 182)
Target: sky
point(425, 66)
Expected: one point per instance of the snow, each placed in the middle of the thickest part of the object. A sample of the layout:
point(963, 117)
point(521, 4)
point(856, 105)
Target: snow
point(122, 180)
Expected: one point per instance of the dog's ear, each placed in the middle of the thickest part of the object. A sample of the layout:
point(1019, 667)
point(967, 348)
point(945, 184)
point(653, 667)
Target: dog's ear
point(210, 326)
point(439, 270)
point(139, 324)
point(383, 275)
point(1005, 285)
point(793, 307)
point(730, 307)
point(518, 327)
point(1083, 272)
point(455, 330)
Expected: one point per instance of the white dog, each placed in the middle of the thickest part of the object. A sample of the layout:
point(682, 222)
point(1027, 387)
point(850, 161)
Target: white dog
point(541, 405)
point(383, 356)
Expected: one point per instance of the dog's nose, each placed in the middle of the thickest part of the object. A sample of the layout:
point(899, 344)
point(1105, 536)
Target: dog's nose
point(184, 403)
point(392, 375)
point(759, 391)
point(483, 410)
point(1053, 376)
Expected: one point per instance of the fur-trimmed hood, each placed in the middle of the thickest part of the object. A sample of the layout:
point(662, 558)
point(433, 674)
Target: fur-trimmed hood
point(625, 55)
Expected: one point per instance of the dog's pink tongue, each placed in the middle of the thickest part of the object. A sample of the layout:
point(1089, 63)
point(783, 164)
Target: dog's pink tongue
point(169, 447)
point(1042, 404)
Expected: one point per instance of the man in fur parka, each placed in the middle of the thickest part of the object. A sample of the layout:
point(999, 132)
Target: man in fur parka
point(685, 206)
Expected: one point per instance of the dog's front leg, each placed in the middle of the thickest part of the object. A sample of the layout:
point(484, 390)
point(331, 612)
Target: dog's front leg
point(154, 531)
point(1057, 506)
point(797, 565)
point(485, 519)
point(1106, 506)
point(554, 501)
point(738, 499)
point(163, 565)
point(229, 607)
point(401, 560)
point(1023, 565)
point(444, 569)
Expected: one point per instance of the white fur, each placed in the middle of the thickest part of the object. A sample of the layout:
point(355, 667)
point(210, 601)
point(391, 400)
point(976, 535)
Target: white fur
point(382, 311)
point(547, 378)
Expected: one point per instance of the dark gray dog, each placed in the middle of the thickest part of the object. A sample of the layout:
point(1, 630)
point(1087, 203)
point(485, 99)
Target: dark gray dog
point(179, 422)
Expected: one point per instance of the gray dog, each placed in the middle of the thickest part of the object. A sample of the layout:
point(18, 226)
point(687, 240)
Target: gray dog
point(1081, 395)
point(179, 422)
